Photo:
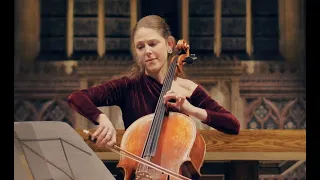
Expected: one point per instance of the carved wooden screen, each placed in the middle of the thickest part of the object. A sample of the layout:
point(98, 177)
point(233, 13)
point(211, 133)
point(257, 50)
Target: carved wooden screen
point(274, 98)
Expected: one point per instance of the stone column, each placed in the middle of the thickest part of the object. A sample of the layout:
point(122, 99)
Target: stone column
point(303, 37)
point(184, 19)
point(217, 25)
point(291, 26)
point(101, 35)
point(237, 105)
point(70, 21)
point(26, 31)
point(81, 121)
point(133, 18)
point(249, 46)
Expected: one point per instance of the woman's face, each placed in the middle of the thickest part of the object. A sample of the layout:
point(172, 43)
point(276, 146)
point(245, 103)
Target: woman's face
point(151, 49)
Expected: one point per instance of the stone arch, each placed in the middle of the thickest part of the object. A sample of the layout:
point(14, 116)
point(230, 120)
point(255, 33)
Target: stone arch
point(24, 111)
point(293, 115)
point(57, 110)
point(262, 114)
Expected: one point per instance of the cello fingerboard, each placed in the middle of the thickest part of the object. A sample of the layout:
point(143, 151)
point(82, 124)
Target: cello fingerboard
point(155, 129)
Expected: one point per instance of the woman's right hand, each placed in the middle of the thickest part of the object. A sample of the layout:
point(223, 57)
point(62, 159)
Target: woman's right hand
point(106, 134)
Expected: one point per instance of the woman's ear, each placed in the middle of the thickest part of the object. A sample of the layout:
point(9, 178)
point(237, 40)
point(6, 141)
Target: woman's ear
point(171, 42)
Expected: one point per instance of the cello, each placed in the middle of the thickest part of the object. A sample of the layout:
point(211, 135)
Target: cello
point(163, 144)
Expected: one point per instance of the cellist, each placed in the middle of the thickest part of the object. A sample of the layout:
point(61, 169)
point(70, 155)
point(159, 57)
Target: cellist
point(137, 92)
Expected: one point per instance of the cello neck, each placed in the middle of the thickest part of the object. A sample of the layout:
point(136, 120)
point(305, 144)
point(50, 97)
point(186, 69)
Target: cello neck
point(154, 132)
point(182, 53)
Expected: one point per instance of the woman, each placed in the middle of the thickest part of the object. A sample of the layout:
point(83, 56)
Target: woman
point(137, 93)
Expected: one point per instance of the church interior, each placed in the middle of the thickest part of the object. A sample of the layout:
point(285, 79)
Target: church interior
point(250, 59)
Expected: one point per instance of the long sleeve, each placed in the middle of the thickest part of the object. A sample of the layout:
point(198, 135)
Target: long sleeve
point(86, 101)
point(218, 117)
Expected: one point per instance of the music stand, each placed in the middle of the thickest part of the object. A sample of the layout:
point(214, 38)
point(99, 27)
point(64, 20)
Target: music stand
point(51, 150)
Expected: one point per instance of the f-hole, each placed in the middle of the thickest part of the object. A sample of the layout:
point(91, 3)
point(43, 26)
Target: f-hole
point(167, 9)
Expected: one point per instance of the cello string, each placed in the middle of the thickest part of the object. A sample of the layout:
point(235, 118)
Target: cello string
point(161, 109)
point(160, 106)
point(166, 87)
point(135, 157)
point(155, 128)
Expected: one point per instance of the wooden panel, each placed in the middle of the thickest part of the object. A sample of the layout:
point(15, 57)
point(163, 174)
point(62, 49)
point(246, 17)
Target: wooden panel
point(52, 29)
point(53, 8)
point(84, 44)
point(233, 26)
point(53, 44)
point(118, 44)
point(167, 9)
point(201, 43)
point(86, 26)
point(117, 26)
point(117, 7)
point(164, 8)
point(233, 7)
point(265, 7)
point(201, 26)
point(53, 26)
point(233, 43)
point(173, 22)
point(85, 7)
point(201, 30)
point(248, 145)
point(266, 44)
point(201, 8)
point(265, 26)
point(256, 141)
point(246, 141)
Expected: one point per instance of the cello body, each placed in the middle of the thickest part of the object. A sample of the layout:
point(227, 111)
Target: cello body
point(181, 148)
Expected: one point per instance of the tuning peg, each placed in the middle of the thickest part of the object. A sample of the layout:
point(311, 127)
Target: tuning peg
point(190, 59)
point(193, 56)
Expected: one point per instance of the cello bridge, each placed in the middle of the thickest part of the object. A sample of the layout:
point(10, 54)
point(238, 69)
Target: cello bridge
point(141, 175)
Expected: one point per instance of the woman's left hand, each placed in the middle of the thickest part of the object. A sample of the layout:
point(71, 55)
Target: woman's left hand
point(182, 104)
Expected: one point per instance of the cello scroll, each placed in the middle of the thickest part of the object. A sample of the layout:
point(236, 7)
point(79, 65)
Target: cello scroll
point(182, 51)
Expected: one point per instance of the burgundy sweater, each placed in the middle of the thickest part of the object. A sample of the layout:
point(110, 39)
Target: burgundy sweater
point(139, 97)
